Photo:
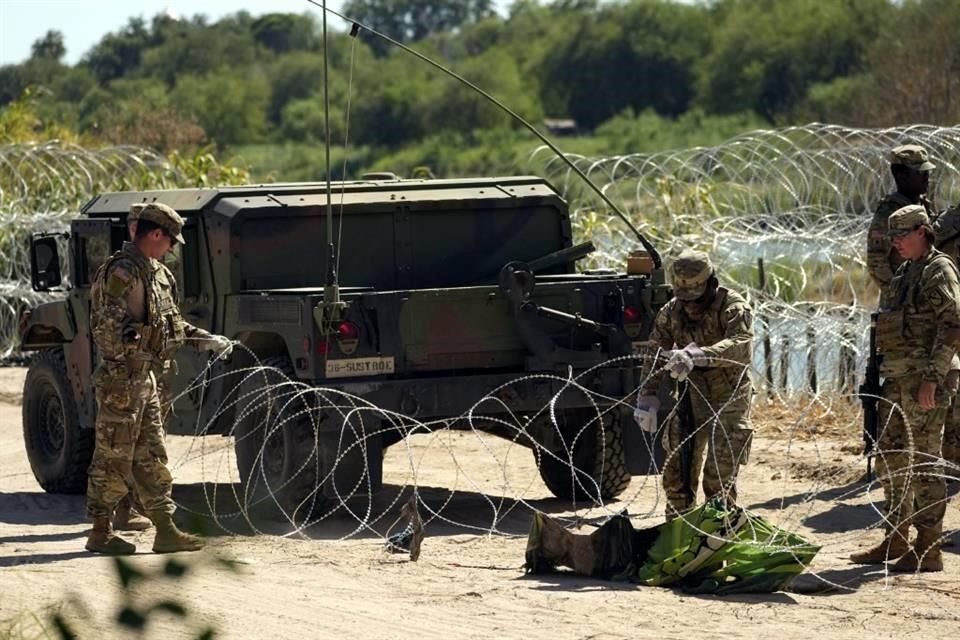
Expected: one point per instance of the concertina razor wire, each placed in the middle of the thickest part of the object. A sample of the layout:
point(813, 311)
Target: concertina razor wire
point(798, 198)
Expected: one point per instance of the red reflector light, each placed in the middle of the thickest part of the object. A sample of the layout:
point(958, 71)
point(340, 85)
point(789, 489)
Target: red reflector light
point(347, 331)
point(631, 315)
point(322, 347)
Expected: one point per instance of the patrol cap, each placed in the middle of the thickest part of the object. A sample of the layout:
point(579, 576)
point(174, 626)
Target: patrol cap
point(913, 156)
point(164, 216)
point(690, 273)
point(135, 210)
point(906, 219)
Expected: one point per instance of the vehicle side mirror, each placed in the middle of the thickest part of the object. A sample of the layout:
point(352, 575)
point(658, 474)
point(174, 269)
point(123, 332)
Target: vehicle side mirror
point(45, 263)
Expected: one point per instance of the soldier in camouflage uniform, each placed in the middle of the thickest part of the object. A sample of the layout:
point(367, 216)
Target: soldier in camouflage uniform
point(136, 328)
point(911, 169)
point(707, 332)
point(130, 514)
point(946, 228)
point(918, 333)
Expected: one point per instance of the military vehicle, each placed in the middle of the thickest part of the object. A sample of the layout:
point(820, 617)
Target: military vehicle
point(456, 299)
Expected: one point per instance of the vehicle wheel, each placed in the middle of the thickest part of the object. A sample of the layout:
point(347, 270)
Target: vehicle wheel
point(588, 463)
point(275, 444)
point(58, 449)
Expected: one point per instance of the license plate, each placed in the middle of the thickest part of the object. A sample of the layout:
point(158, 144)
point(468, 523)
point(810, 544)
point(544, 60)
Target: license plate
point(356, 367)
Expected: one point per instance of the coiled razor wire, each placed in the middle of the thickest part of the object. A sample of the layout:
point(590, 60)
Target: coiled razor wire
point(42, 188)
point(306, 499)
point(799, 198)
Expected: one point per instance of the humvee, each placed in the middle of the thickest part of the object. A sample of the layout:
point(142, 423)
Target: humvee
point(458, 304)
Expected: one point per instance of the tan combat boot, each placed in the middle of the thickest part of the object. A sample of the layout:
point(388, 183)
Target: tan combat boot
point(169, 538)
point(891, 547)
point(550, 545)
point(925, 555)
point(126, 517)
point(103, 540)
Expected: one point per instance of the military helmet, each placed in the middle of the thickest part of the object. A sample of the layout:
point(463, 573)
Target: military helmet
point(165, 217)
point(913, 156)
point(906, 219)
point(690, 273)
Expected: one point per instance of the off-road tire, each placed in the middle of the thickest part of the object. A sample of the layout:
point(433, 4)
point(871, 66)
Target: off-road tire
point(289, 462)
point(598, 460)
point(58, 449)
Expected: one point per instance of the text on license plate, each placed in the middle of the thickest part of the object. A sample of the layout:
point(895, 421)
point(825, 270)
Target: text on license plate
point(355, 367)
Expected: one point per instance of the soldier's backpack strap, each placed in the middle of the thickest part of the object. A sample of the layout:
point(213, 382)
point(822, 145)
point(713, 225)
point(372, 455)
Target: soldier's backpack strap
point(173, 283)
point(946, 260)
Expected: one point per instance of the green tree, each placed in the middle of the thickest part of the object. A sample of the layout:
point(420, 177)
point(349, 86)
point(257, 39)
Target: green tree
point(179, 47)
point(231, 108)
point(459, 108)
point(412, 20)
point(766, 54)
point(50, 47)
point(639, 55)
point(118, 54)
point(914, 69)
point(283, 32)
point(292, 77)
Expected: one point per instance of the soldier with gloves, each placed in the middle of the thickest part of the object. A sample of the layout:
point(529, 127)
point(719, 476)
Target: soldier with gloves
point(705, 334)
point(137, 326)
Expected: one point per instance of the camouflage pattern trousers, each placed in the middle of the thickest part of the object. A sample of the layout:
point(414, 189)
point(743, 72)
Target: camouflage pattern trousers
point(908, 455)
point(951, 433)
point(129, 447)
point(722, 431)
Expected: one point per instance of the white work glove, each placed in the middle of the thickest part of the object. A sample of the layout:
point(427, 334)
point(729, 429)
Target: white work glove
point(645, 413)
point(221, 345)
point(682, 361)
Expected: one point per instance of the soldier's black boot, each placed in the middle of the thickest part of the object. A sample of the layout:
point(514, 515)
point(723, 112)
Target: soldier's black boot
point(169, 538)
point(103, 540)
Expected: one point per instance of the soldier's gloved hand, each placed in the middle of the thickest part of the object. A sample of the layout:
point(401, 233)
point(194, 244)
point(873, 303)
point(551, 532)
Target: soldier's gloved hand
point(645, 413)
point(680, 364)
point(682, 361)
point(221, 345)
point(700, 358)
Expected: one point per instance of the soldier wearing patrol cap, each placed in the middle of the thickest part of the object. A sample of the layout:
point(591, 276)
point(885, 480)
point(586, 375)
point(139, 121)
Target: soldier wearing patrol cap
point(918, 333)
point(130, 514)
point(706, 333)
point(136, 327)
point(911, 169)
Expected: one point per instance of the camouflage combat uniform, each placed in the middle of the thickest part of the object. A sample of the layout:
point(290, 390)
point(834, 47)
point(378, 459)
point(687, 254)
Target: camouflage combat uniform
point(720, 389)
point(137, 326)
point(946, 227)
point(918, 332)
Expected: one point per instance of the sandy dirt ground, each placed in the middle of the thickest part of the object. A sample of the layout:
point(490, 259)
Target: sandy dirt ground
point(335, 581)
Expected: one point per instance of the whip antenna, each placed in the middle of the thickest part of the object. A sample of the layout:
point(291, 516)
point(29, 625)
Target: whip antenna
point(573, 167)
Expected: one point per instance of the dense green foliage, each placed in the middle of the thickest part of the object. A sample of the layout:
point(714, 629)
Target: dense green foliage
point(635, 75)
